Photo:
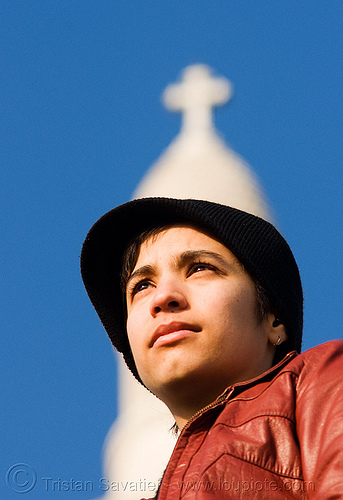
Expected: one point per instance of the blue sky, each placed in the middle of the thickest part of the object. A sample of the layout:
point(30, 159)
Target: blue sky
point(83, 120)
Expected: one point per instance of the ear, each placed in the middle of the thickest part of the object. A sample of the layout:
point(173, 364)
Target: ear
point(277, 330)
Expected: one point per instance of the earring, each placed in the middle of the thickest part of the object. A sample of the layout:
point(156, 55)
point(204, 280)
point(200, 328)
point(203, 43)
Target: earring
point(278, 342)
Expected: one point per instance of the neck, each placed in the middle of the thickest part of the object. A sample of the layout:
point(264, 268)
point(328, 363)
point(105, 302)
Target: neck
point(184, 409)
point(183, 418)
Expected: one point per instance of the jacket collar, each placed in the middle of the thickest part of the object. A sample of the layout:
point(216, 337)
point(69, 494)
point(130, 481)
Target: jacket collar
point(235, 389)
point(266, 376)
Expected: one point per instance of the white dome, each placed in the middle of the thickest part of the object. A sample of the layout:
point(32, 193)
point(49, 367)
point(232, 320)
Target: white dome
point(198, 164)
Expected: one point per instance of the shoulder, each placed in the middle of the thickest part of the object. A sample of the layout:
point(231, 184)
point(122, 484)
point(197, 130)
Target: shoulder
point(319, 413)
point(333, 347)
point(324, 355)
point(318, 367)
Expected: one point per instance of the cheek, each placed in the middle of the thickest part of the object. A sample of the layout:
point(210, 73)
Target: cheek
point(132, 332)
point(137, 333)
point(234, 305)
point(137, 336)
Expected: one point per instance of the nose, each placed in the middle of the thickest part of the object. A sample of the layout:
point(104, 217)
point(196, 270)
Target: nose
point(169, 296)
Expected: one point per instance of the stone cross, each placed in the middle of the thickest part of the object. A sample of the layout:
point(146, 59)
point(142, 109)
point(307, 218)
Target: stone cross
point(195, 97)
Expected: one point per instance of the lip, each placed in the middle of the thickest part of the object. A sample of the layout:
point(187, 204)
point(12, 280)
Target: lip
point(172, 332)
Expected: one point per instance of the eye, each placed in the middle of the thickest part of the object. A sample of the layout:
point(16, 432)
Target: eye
point(138, 287)
point(201, 266)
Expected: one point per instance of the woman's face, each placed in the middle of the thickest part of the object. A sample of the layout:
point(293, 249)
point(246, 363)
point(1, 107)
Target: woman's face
point(192, 316)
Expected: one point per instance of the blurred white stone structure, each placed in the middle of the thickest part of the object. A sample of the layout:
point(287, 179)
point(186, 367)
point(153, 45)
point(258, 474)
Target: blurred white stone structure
point(197, 164)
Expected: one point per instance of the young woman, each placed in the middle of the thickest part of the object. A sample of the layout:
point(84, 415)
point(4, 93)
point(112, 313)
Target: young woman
point(205, 303)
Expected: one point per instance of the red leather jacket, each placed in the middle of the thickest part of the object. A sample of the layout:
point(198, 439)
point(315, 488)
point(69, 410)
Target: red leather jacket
point(278, 436)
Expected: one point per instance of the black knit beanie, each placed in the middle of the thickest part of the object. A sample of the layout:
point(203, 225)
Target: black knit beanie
point(256, 243)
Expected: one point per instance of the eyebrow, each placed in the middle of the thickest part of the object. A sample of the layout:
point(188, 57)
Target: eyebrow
point(190, 255)
point(181, 260)
point(140, 272)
